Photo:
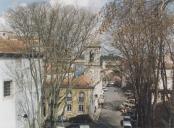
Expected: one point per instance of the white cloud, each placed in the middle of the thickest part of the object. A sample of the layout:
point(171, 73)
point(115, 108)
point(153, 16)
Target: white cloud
point(2, 20)
point(3, 24)
point(70, 2)
point(23, 4)
point(90, 4)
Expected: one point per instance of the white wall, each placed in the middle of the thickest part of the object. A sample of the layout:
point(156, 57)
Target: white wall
point(26, 95)
point(7, 104)
point(12, 108)
point(94, 72)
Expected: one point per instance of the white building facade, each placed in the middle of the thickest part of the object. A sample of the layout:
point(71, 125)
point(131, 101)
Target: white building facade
point(9, 94)
point(7, 98)
point(18, 104)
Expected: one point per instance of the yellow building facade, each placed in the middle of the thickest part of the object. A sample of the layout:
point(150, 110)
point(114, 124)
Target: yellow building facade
point(77, 99)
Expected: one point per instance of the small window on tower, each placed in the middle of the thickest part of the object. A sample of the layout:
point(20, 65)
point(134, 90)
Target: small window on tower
point(7, 88)
point(91, 56)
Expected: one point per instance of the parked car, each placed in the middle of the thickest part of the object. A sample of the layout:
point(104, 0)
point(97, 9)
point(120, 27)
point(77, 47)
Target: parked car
point(105, 89)
point(128, 104)
point(130, 97)
point(131, 101)
point(127, 122)
point(110, 84)
point(84, 126)
point(129, 94)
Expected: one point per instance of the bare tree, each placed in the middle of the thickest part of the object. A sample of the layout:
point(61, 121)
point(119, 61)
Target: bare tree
point(54, 38)
point(139, 29)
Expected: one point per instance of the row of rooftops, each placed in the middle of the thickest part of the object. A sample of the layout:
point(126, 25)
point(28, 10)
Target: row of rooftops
point(11, 46)
point(14, 48)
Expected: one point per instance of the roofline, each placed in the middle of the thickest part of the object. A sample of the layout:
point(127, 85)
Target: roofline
point(77, 87)
point(19, 55)
point(94, 46)
point(7, 31)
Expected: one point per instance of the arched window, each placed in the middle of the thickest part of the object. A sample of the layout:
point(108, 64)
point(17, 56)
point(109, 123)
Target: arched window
point(81, 101)
point(69, 96)
point(81, 97)
point(69, 101)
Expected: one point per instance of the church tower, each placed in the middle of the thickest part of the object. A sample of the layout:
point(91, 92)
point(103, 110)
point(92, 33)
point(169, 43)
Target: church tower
point(93, 71)
point(92, 62)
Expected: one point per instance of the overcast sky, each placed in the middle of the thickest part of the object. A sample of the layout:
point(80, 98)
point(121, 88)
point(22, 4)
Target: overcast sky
point(93, 5)
point(6, 4)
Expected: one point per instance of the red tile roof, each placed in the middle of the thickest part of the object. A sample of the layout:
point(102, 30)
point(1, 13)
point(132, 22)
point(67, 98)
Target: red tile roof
point(83, 82)
point(11, 46)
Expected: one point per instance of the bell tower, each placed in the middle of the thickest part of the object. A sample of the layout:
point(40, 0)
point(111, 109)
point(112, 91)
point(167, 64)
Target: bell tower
point(93, 71)
point(92, 61)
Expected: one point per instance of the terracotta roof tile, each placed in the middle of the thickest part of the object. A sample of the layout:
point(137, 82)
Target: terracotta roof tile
point(11, 46)
point(80, 82)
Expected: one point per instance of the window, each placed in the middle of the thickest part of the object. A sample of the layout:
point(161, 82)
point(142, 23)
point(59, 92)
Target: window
point(81, 97)
point(79, 70)
point(81, 108)
point(81, 101)
point(69, 97)
point(91, 56)
point(69, 107)
point(69, 101)
point(7, 88)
